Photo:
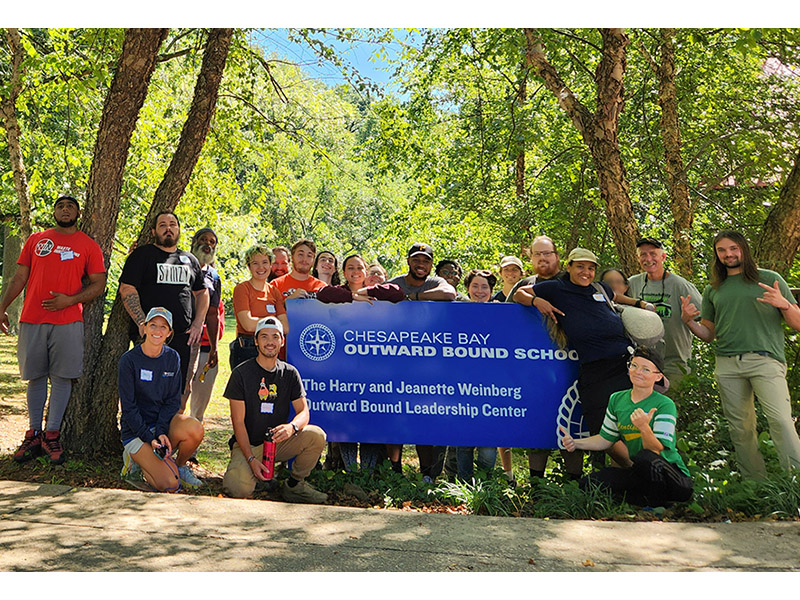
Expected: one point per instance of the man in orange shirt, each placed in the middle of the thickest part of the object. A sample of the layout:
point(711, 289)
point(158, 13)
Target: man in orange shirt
point(298, 283)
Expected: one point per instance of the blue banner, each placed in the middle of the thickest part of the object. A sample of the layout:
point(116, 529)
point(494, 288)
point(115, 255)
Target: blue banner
point(445, 373)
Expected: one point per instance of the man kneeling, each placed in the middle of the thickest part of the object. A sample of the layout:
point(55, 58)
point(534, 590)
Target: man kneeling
point(260, 391)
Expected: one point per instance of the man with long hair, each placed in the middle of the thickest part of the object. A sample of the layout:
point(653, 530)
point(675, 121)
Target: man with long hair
point(743, 309)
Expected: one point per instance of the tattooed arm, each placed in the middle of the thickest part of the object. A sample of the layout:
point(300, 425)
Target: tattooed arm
point(132, 304)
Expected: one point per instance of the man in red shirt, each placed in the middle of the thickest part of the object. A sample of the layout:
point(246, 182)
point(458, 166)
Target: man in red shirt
point(52, 265)
point(298, 283)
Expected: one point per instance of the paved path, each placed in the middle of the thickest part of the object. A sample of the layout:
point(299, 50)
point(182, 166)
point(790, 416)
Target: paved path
point(55, 527)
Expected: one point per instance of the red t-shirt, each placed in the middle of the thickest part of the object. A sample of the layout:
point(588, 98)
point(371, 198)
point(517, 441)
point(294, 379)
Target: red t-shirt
point(57, 262)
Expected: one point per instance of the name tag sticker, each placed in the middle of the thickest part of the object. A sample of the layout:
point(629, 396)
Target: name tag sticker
point(146, 375)
point(599, 297)
point(270, 308)
point(67, 255)
point(267, 407)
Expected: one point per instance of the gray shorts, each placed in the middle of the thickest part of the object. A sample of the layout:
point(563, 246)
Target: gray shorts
point(44, 349)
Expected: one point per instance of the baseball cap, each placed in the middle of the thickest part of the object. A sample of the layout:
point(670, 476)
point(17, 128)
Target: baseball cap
point(582, 254)
point(511, 260)
point(69, 198)
point(420, 248)
point(268, 323)
point(650, 241)
point(159, 311)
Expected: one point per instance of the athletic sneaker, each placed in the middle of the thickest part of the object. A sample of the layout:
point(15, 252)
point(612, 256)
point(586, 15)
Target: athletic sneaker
point(188, 478)
point(303, 493)
point(136, 478)
point(31, 447)
point(51, 445)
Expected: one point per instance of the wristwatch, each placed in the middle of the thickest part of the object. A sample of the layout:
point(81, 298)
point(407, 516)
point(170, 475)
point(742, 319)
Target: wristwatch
point(295, 427)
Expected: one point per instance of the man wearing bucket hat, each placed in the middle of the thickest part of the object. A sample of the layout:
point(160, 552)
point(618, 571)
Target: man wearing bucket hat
point(50, 346)
point(261, 391)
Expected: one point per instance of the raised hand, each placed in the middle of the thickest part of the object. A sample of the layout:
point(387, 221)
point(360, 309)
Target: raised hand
point(773, 296)
point(689, 311)
point(641, 419)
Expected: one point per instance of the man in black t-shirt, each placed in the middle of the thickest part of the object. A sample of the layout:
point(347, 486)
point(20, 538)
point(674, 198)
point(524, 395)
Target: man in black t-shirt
point(159, 274)
point(261, 391)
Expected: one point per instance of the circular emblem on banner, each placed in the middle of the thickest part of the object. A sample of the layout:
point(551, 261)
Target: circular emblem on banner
point(317, 342)
point(44, 247)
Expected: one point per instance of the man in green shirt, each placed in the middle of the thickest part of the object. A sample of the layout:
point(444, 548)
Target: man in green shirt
point(743, 308)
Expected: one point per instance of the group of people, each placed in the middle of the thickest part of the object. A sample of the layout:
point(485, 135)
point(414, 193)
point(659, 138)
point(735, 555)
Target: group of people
point(174, 301)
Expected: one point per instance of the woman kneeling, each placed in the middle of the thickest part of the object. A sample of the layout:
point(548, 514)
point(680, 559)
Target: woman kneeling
point(151, 428)
point(645, 421)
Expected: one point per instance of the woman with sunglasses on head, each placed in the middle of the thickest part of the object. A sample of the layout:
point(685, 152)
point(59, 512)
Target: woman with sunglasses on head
point(150, 427)
point(326, 268)
point(644, 420)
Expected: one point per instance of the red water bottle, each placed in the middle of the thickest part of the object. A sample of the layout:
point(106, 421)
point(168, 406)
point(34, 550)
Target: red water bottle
point(268, 459)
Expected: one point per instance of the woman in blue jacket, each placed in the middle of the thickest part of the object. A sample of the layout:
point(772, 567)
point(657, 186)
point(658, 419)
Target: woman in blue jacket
point(152, 431)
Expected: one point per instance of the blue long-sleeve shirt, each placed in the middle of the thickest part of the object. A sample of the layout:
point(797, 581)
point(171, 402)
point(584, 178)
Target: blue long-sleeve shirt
point(149, 392)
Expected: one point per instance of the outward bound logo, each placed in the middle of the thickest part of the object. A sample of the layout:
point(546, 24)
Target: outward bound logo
point(317, 342)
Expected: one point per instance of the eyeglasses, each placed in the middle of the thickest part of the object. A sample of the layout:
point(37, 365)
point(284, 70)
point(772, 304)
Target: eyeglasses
point(545, 253)
point(643, 370)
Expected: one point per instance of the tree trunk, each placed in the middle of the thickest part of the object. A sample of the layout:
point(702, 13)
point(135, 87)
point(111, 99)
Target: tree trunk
point(12, 246)
point(105, 398)
point(780, 237)
point(677, 185)
point(89, 426)
point(519, 163)
point(599, 132)
point(8, 111)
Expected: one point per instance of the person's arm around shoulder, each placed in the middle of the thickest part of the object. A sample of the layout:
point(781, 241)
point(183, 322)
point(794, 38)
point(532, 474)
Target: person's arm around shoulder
point(628, 301)
point(14, 289)
point(526, 296)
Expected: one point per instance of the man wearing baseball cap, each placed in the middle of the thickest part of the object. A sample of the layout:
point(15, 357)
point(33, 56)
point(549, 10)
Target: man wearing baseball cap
point(51, 266)
point(260, 391)
point(664, 289)
point(419, 284)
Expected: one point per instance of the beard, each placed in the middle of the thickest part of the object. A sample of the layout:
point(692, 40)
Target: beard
point(162, 240)
point(67, 224)
point(204, 254)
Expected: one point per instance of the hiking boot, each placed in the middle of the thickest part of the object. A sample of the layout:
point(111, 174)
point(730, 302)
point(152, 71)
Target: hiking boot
point(188, 478)
point(303, 493)
point(31, 447)
point(51, 445)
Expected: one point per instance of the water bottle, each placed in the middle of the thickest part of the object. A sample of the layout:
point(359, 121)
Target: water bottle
point(268, 459)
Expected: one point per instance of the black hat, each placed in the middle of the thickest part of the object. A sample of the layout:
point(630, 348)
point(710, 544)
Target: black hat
point(69, 198)
point(420, 248)
point(650, 241)
point(203, 230)
point(650, 354)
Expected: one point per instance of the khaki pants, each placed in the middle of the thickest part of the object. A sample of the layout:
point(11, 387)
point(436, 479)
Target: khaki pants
point(739, 377)
point(305, 447)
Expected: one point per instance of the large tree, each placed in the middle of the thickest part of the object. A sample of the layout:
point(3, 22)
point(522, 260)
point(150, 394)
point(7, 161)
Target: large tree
point(599, 130)
point(92, 421)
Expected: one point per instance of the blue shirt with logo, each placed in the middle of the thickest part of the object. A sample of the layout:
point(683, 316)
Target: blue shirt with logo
point(149, 393)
